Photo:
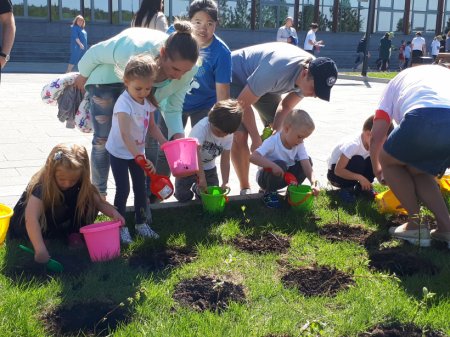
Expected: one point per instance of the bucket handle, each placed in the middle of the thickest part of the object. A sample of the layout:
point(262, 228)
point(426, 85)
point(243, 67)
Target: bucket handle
point(306, 197)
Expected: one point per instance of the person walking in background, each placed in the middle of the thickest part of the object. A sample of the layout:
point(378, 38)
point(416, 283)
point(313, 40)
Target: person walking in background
point(407, 54)
point(385, 51)
point(418, 47)
point(58, 201)
point(78, 42)
point(447, 42)
point(435, 46)
point(287, 33)
point(401, 55)
point(176, 57)
point(310, 41)
point(360, 50)
point(417, 150)
point(151, 15)
point(8, 31)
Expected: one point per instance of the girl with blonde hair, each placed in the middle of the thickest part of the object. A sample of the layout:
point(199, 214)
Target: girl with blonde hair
point(78, 41)
point(58, 200)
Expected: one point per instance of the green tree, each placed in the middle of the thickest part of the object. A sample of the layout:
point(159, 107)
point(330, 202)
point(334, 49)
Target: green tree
point(348, 20)
point(238, 17)
point(307, 16)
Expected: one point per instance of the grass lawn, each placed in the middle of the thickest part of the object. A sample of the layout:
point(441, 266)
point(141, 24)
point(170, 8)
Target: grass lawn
point(388, 75)
point(307, 285)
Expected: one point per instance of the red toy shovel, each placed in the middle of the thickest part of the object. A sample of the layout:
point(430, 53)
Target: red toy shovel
point(160, 185)
point(289, 178)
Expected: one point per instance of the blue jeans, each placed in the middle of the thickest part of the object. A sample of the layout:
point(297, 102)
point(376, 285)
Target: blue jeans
point(102, 98)
point(120, 169)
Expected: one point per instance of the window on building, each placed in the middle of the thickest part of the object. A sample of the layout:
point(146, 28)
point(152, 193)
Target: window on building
point(236, 14)
point(420, 5)
point(69, 9)
point(18, 8)
point(123, 11)
point(418, 22)
point(430, 23)
point(100, 10)
point(384, 21)
point(180, 9)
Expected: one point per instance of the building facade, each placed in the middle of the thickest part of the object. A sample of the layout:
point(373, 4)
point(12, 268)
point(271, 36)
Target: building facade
point(432, 16)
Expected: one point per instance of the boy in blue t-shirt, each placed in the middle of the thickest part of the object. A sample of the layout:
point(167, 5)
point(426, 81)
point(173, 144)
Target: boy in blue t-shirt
point(212, 81)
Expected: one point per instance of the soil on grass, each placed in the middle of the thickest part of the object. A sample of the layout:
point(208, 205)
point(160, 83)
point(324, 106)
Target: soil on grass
point(401, 263)
point(162, 259)
point(206, 293)
point(315, 281)
point(265, 243)
point(338, 232)
point(86, 319)
point(398, 330)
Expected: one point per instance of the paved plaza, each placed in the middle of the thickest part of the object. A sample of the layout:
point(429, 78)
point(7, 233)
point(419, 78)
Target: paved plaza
point(29, 128)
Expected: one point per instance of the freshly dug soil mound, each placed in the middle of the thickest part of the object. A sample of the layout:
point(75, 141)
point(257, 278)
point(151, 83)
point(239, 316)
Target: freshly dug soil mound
point(266, 243)
point(315, 281)
point(205, 293)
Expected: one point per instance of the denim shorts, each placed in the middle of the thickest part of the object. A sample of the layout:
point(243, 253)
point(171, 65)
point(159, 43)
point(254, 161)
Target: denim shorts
point(422, 140)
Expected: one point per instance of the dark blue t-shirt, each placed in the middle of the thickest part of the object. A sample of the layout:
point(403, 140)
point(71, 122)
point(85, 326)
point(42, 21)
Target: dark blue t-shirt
point(215, 68)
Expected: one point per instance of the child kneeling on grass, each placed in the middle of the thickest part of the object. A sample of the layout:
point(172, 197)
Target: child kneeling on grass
point(350, 167)
point(215, 136)
point(285, 152)
point(58, 201)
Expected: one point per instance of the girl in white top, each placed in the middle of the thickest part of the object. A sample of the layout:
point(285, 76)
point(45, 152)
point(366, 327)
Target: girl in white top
point(287, 33)
point(132, 116)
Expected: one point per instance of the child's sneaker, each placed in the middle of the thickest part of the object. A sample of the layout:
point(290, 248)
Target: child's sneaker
point(271, 200)
point(346, 196)
point(125, 236)
point(145, 231)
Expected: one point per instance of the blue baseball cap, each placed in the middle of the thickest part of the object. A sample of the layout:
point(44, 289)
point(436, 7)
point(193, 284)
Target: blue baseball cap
point(324, 72)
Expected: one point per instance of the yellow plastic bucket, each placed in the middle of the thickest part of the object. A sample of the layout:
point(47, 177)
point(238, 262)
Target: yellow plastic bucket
point(444, 183)
point(387, 202)
point(5, 215)
point(300, 197)
point(214, 199)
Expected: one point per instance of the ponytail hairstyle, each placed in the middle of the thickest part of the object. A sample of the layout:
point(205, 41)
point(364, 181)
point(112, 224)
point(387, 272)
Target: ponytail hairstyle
point(181, 44)
point(73, 158)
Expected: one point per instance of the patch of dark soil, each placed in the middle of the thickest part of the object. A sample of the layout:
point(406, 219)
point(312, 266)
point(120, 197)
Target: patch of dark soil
point(315, 281)
point(398, 330)
point(205, 293)
point(401, 263)
point(266, 243)
point(339, 232)
point(87, 319)
point(159, 260)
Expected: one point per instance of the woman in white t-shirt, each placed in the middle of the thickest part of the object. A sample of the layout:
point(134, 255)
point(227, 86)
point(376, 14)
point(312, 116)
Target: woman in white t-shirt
point(417, 150)
point(132, 116)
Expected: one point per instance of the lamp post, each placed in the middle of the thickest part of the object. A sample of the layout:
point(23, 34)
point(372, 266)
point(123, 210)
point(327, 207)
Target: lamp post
point(368, 32)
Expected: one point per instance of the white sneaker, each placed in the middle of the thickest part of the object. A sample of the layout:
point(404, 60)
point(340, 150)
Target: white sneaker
point(125, 236)
point(145, 231)
point(245, 191)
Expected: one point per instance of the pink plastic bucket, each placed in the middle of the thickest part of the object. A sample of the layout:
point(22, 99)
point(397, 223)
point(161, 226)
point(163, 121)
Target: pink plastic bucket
point(181, 155)
point(102, 240)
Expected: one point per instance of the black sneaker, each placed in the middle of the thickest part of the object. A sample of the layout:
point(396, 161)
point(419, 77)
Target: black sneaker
point(271, 200)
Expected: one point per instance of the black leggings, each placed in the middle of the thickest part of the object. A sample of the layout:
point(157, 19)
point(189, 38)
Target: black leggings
point(120, 169)
point(356, 164)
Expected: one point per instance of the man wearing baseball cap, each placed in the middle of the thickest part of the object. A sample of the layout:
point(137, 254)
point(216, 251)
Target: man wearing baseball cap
point(261, 75)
